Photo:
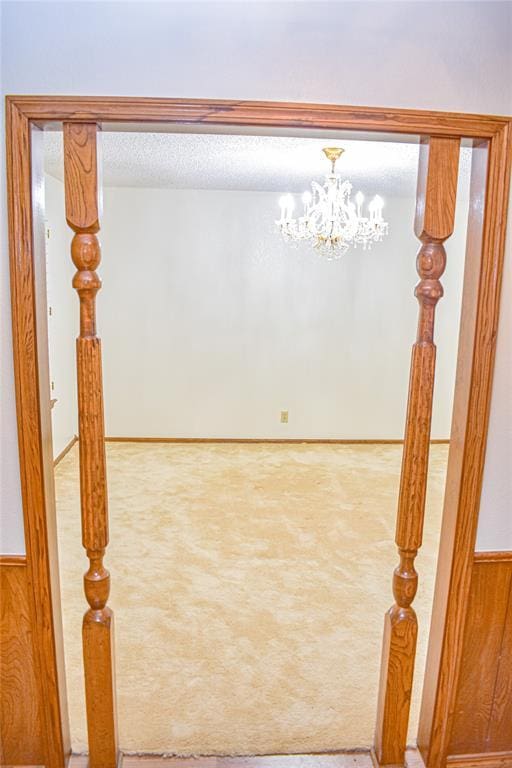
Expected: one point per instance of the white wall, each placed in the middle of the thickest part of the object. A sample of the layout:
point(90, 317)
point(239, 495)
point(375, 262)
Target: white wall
point(495, 524)
point(428, 55)
point(63, 321)
point(212, 330)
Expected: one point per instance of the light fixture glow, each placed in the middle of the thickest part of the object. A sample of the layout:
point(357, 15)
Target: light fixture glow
point(331, 219)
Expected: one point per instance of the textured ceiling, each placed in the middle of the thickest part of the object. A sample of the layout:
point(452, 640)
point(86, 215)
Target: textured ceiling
point(245, 162)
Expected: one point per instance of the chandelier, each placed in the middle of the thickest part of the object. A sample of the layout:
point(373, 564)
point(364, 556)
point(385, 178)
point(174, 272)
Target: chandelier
point(330, 219)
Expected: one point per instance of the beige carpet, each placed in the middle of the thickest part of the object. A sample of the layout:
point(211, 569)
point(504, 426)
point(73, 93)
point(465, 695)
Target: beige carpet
point(249, 584)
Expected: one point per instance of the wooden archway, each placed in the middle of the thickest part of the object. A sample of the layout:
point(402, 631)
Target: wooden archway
point(437, 182)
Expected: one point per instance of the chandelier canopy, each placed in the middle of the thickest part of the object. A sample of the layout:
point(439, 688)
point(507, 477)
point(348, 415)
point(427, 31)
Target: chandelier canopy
point(330, 219)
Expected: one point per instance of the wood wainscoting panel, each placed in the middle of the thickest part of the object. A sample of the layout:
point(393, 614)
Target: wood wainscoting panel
point(500, 726)
point(21, 739)
point(482, 724)
point(482, 760)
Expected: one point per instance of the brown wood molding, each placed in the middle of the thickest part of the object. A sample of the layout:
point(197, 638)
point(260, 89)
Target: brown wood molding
point(65, 450)
point(120, 109)
point(34, 435)
point(13, 560)
point(435, 217)
point(278, 440)
point(474, 374)
point(343, 759)
point(81, 186)
point(482, 720)
point(493, 557)
point(20, 701)
point(475, 366)
point(481, 760)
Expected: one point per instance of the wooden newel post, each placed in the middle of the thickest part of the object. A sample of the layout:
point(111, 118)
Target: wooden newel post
point(435, 211)
point(82, 215)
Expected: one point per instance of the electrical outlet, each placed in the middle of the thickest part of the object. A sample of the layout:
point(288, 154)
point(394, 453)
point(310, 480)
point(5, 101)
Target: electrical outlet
point(284, 417)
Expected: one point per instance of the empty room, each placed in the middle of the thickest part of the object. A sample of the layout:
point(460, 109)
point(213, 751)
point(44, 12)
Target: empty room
point(255, 390)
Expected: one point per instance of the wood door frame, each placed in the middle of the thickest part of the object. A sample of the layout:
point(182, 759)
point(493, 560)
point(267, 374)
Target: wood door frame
point(24, 115)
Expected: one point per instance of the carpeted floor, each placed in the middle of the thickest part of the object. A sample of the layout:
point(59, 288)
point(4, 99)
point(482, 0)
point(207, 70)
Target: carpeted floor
point(249, 584)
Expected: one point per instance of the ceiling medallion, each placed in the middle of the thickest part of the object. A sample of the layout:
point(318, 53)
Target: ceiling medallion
point(330, 219)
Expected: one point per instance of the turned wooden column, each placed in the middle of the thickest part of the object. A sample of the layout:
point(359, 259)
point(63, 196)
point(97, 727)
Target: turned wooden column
point(82, 214)
point(435, 210)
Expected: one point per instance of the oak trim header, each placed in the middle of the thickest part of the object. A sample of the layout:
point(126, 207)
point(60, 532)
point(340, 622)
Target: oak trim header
point(119, 109)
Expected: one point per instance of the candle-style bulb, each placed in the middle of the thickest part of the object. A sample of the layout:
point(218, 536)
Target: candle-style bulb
point(282, 205)
point(379, 204)
point(359, 201)
point(306, 199)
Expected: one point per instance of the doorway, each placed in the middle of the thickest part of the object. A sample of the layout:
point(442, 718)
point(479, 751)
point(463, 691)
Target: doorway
point(387, 724)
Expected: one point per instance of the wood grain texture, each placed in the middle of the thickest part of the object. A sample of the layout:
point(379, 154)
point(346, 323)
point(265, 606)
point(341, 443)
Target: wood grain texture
point(343, 759)
point(436, 189)
point(21, 736)
point(88, 109)
point(82, 214)
point(474, 376)
point(482, 720)
point(45, 420)
point(499, 736)
point(93, 477)
point(356, 759)
point(481, 760)
point(250, 440)
point(472, 271)
point(437, 184)
point(34, 431)
point(81, 180)
point(477, 344)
